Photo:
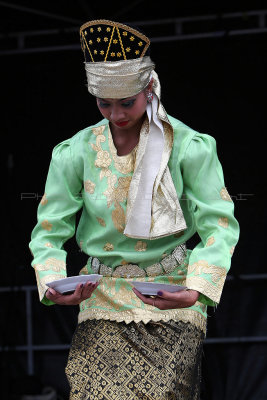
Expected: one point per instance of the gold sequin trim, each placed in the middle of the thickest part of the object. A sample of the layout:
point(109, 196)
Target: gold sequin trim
point(46, 225)
point(210, 241)
point(89, 186)
point(223, 221)
point(48, 244)
point(225, 195)
point(140, 246)
point(101, 221)
point(44, 200)
point(108, 247)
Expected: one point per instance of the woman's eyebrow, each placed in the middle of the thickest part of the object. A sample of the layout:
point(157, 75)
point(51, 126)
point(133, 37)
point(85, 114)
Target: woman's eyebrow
point(127, 98)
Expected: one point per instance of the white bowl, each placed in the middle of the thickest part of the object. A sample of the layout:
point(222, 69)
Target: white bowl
point(69, 284)
point(152, 288)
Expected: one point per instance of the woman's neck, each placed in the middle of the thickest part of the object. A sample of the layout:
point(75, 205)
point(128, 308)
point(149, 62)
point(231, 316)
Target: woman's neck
point(125, 140)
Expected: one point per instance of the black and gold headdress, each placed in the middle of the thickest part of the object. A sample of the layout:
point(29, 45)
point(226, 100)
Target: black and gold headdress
point(104, 40)
point(116, 60)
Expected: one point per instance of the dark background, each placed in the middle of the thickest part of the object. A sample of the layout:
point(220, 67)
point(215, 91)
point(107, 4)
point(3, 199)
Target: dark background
point(215, 85)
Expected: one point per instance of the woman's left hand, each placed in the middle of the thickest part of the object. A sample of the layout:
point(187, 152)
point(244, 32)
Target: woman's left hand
point(166, 300)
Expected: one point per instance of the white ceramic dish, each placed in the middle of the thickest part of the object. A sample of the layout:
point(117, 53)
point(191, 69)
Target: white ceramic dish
point(152, 288)
point(69, 284)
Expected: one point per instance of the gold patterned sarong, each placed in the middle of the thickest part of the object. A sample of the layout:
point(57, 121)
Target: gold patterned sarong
point(136, 361)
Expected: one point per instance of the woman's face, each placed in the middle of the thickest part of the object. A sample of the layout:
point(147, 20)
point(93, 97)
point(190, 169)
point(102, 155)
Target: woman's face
point(124, 113)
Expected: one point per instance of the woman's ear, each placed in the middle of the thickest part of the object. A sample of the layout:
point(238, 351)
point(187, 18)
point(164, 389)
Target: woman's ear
point(150, 85)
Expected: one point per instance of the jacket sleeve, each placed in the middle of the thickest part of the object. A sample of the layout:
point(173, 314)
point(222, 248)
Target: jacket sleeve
point(55, 219)
point(213, 211)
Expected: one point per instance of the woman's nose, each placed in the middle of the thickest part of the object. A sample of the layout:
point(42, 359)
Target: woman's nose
point(116, 113)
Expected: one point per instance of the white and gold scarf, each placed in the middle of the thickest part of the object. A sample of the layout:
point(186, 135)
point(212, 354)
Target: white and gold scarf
point(153, 208)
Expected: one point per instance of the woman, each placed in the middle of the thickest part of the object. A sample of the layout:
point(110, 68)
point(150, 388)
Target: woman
point(146, 183)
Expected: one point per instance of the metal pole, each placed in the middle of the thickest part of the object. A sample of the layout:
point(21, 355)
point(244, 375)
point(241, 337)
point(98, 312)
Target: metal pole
point(30, 358)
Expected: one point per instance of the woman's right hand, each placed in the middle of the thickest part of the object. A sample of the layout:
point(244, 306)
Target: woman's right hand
point(82, 292)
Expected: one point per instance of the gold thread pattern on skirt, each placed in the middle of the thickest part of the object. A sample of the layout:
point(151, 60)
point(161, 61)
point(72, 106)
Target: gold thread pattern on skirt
point(136, 361)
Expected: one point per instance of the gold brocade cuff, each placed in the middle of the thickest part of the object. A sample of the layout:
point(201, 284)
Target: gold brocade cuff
point(52, 269)
point(207, 279)
point(42, 281)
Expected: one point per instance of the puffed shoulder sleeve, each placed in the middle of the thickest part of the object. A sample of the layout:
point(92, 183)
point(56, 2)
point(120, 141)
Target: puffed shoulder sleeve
point(55, 219)
point(213, 211)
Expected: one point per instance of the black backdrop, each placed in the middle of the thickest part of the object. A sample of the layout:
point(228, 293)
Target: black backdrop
point(216, 86)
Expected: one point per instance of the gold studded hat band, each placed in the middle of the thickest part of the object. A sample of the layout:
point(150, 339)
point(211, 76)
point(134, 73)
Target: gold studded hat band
point(118, 79)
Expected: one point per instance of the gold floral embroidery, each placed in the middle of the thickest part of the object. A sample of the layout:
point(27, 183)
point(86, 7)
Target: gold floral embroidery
point(44, 200)
point(123, 164)
point(103, 160)
point(108, 247)
point(223, 221)
point(119, 193)
point(123, 262)
point(210, 241)
point(232, 250)
point(114, 194)
point(89, 186)
point(52, 264)
point(42, 281)
point(225, 195)
point(211, 289)
point(118, 218)
point(101, 221)
point(102, 306)
point(48, 244)
point(203, 267)
point(46, 225)
point(140, 246)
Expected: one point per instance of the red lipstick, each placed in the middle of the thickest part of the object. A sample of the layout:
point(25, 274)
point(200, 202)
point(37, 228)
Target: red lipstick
point(122, 123)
